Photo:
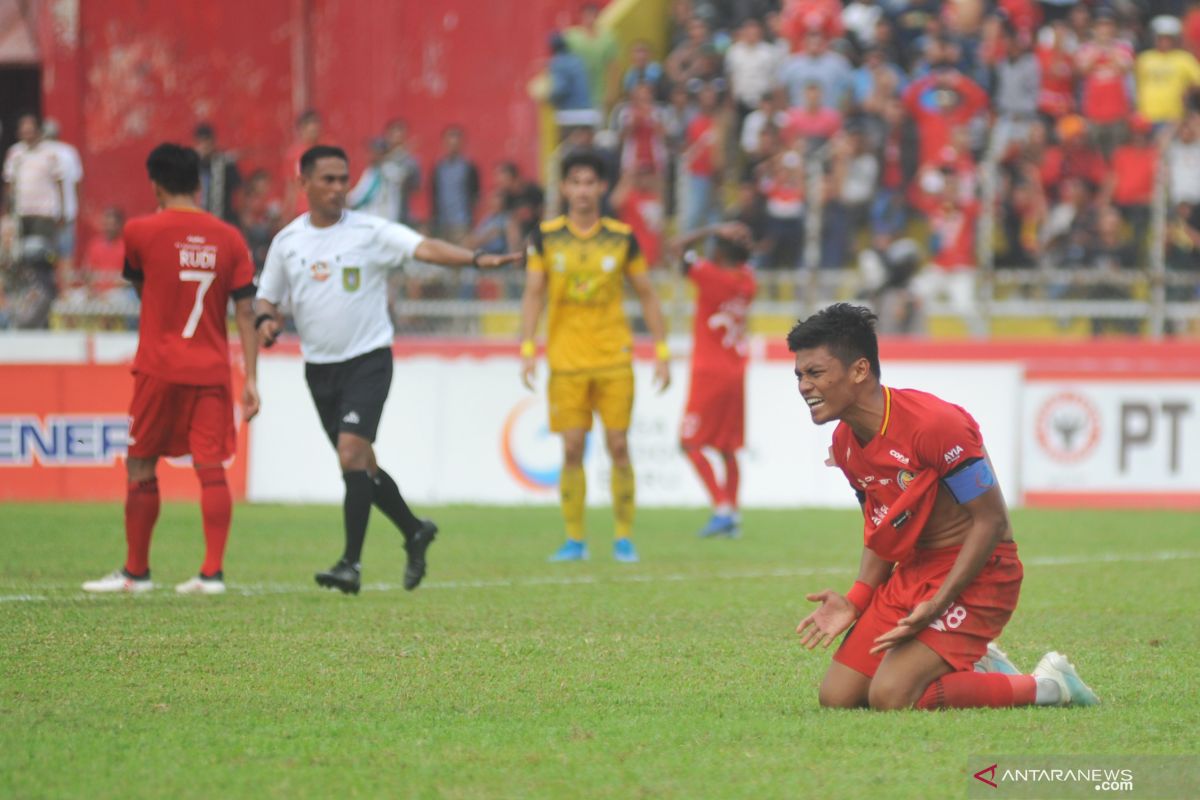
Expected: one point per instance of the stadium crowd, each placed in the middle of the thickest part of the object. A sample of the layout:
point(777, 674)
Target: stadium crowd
point(884, 136)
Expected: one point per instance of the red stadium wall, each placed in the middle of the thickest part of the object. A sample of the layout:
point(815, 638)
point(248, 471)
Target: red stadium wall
point(123, 75)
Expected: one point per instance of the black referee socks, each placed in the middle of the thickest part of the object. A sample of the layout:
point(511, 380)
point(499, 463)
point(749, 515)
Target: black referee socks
point(356, 509)
point(391, 503)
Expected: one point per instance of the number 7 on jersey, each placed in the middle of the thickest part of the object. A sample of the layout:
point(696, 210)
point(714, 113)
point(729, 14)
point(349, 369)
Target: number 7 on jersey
point(204, 280)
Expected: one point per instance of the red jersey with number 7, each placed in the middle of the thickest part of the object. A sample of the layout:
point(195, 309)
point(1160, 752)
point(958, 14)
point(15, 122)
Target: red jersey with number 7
point(190, 264)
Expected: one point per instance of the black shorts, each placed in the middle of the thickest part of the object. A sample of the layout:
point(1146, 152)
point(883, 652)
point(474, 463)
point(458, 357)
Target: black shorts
point(349, 395)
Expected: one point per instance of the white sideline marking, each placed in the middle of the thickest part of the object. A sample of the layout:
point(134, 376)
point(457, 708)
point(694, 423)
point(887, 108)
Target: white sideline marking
point(260, 589)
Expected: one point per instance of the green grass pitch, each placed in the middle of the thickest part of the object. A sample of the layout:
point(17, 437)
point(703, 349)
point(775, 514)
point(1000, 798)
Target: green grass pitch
point(505, 676)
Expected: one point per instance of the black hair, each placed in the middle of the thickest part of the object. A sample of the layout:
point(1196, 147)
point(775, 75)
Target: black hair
point(204, 131)
point(175, 168)
point(588, 160)
point(509, 167)
point(310, 156)
point(730, 251)
point(848, 332)
point(306, 116)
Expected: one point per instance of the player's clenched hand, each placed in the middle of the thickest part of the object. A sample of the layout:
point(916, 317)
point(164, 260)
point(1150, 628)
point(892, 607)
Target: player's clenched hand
point(528, 369)
point(268, 332)
point(662, 375)
point(250, 400)
point(822, 626)
point(917, 620)
point(492, 261)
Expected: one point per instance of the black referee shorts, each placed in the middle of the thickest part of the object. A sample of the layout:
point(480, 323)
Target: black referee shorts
point(349, 395)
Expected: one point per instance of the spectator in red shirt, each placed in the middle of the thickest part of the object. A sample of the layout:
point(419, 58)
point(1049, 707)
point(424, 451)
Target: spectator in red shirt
point(639, 204)
point(941, 101)
point(1080, 159)
point(1130, 182)
point(308, 132)
point(813, 121)
point(1056, 96)
point(801, 17)
point(952, 267)
point(702, 159)
point(104, 257)
point(1104, 64)
point(643, 133)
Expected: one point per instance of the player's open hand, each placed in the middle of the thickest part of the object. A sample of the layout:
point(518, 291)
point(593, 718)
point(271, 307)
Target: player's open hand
point(917, 620)
point(489, 261)
point(268, 332)
point(822, 626)
point(250, 400)
point(528, 370)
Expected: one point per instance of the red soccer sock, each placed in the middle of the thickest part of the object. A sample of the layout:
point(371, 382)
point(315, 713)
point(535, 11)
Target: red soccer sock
point(732, 477)
point(141, 512)
point(216, 507)
point(705, 471)
point(979, 690)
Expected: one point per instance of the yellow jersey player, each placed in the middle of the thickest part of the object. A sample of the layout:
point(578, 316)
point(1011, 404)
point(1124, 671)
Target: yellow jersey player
point(577, 265)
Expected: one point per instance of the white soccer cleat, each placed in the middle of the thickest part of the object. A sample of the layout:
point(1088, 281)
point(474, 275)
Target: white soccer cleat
point(199, 585)
point(1072, 691)
point(996, 660)
point(119, 581)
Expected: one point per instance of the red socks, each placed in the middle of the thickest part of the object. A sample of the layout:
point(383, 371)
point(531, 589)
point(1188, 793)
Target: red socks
point(705, 471)
point(979, 690)
point(732, 476)
point(141, 512)
point(216, 507)
point(721, 495)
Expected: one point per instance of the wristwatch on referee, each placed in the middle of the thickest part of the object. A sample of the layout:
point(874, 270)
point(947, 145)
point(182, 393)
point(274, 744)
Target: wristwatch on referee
point(475, 258)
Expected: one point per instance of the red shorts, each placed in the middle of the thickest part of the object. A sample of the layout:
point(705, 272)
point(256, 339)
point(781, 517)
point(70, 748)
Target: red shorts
point(174, 419)
point(716, 412)
point(961, 635)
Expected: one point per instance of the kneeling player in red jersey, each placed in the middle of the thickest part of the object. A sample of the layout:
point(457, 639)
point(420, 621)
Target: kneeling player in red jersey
point(939, 575)
point(186, 265)
point(715, 417)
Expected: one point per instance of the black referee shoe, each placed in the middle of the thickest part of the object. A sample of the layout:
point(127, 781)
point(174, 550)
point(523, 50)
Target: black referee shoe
point(342, 575)
point(416, 547)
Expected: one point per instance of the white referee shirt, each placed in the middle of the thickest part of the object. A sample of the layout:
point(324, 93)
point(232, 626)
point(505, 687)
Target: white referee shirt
point(336, 278)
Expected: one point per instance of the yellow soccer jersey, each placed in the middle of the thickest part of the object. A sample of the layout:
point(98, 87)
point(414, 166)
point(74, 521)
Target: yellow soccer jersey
point(585, 274)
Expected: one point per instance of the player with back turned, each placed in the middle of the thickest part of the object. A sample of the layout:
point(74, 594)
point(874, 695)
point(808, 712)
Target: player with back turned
point(186, 265)
point(715, 417)
point(939, 575)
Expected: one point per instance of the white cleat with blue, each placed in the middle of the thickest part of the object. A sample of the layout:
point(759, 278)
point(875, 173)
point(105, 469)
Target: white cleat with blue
point(1072, 691)
point(996, 660)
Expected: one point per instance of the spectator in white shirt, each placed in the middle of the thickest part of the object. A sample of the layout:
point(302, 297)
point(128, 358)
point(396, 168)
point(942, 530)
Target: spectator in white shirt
point(33, 182)
point(751, 64)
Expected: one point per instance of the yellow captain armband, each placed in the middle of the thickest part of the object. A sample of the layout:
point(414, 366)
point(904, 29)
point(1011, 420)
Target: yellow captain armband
point(662, 351)
point(528, 349)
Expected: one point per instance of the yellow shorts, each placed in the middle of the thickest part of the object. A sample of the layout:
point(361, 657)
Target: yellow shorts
point(575, 396)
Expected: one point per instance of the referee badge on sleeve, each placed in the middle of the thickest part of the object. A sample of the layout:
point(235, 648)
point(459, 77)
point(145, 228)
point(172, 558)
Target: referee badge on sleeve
point(351, 278)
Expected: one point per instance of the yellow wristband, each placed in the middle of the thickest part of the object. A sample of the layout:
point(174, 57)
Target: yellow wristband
point(662, 351)
point(528, 349)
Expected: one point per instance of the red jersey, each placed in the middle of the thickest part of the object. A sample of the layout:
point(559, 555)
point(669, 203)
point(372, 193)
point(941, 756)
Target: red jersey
point(105, 260)
point(702, 145)
point(952, 233)
point(1056, 96)
point(924, 99)
point(643, 212)
point(719, 331)
point(896, 475)
point(1105, 98)
point(1135, 168)
point(190, 264)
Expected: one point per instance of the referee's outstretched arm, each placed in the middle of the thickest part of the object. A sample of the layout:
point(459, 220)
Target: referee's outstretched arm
point(437, 251)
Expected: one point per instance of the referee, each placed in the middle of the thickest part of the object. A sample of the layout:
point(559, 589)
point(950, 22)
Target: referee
point(333, 264)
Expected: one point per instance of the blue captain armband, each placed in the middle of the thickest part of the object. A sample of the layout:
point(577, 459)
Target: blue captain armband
point(970, 480)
